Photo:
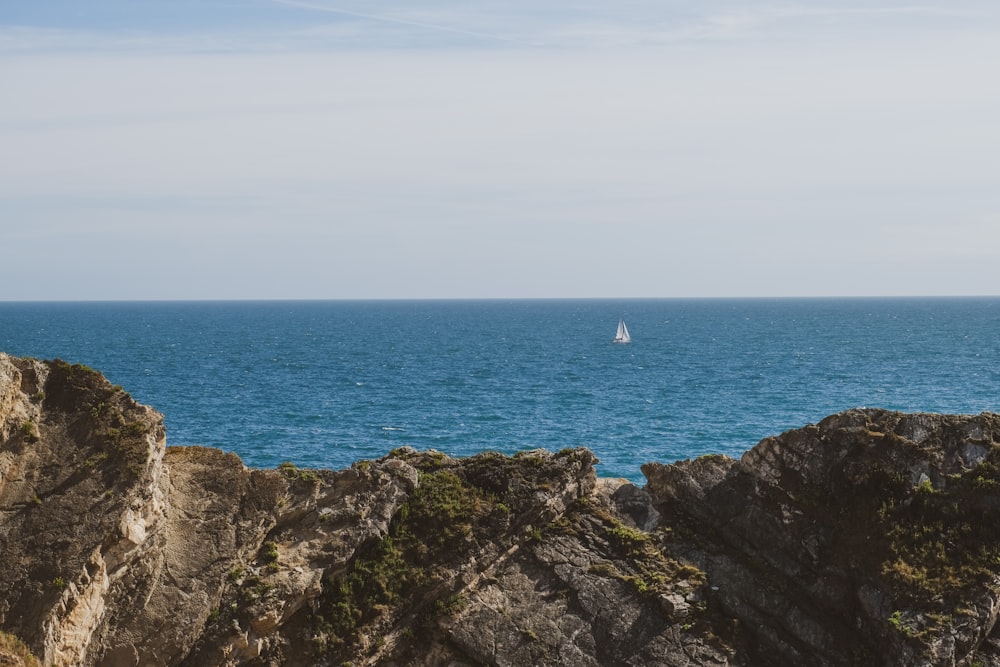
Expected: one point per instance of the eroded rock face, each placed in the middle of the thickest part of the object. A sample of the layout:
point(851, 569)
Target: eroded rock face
point(871, 538)
point(124, 552)
point(120, 552)
point(79, 474)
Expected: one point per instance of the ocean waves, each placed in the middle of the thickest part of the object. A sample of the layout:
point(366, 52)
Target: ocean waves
point(326, 383)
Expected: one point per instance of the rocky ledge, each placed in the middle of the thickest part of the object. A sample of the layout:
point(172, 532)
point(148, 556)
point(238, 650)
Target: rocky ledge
point(871, 538)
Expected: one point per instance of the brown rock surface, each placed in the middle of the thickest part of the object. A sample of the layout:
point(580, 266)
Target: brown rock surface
point(123, 552)
point(871, 538)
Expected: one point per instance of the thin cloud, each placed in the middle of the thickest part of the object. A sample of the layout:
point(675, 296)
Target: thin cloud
point(920, 10)
point(582, 26)
point(34, 41)
point(437, 27)
point(752, 22)
point(782, 136)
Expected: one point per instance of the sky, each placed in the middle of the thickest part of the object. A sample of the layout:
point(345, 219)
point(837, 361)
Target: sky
point(314, 149)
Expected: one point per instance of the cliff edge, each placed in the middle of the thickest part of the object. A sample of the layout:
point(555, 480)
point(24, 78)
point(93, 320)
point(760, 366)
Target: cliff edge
point(870, 538)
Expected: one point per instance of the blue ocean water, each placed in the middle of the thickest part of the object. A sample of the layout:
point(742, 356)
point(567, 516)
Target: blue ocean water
point(323, 384)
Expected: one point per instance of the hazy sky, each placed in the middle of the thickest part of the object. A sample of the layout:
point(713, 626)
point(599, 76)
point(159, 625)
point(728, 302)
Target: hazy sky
point(432, 148)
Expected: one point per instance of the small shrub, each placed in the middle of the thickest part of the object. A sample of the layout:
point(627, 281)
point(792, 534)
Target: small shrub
point(96, 458)
point(136, 428)
point(604, 570)
point(29, 431)
point(629, 536)
point(633, 541)
point(451, 606)
point(530, 457)
point(294, 473)
point(896, 620)
point(254, 588)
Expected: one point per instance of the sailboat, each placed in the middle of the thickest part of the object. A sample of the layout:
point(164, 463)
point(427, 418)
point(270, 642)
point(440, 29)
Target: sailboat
point(621, 336)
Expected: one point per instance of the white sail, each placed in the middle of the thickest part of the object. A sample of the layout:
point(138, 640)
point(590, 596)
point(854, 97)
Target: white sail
point(621, 336)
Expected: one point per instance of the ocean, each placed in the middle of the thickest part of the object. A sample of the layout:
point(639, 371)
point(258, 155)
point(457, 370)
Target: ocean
point(326, 383)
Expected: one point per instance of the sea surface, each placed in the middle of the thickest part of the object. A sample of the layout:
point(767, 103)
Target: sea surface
point(326, 383)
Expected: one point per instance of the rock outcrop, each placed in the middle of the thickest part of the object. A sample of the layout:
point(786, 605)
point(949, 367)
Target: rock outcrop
point(871, 538)
point(121, 551)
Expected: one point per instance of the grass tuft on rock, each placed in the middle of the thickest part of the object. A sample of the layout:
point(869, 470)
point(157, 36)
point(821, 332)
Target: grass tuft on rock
point(433, 527)
point(14, 652)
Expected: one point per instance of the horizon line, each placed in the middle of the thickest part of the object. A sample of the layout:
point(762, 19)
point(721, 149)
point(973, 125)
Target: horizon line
point(500, 298)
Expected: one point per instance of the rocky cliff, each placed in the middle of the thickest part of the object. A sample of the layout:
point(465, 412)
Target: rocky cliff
point(870, 538)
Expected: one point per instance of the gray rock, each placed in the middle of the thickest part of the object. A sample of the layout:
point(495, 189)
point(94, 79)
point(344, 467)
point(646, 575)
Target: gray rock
point(871, 538)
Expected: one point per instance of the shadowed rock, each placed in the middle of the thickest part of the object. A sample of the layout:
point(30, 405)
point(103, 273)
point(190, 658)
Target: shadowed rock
point(872, 538)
